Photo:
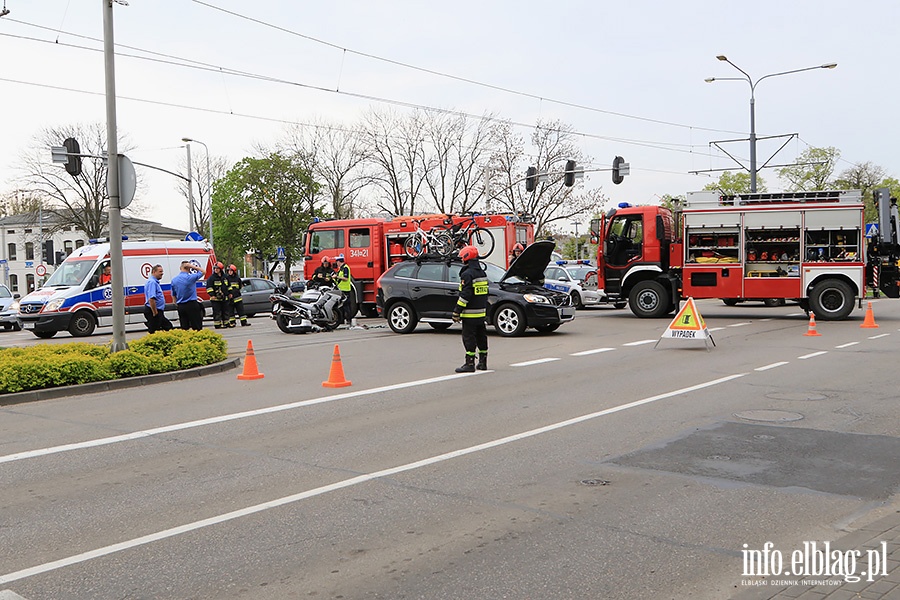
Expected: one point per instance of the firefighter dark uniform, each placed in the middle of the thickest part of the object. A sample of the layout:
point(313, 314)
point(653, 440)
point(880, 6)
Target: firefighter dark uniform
point(471, 309)
point(323, 274)
point(217, 287)
point(234, 294)
point(342, 276)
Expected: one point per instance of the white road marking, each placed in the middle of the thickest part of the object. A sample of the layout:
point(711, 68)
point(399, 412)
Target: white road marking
point(800, 314)
point(243, 512)
point(875, 337)
point(639, 343)
point(772, 366)
point(538, 361)
point(716, 329)
point(847, 345)
point(10, 595)
point(765, 320)
point(805, 356)
point(222, 419)
point(594, 351)
point(739, 324)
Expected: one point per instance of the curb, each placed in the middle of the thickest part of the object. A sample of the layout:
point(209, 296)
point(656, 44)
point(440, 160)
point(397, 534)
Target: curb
point(116, 384)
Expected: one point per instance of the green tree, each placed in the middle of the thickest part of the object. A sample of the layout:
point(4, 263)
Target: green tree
point(262, 204)
point(813, 171)
point(864, 177)
point(732, 183)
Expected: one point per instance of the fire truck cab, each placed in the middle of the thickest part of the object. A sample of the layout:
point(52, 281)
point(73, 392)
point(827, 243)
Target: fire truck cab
point(806, 246)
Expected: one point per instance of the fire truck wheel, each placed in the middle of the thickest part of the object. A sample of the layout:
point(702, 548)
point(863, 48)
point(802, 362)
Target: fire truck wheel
point(82, 324)
point(402, 318)
point(620, 305)
point(773, 302)
point(730, 301)
point(649, 300)
point(831, 300)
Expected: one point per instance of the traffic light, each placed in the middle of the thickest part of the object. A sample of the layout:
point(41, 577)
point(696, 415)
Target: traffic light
point(617, 176)
point(73, 164)
point(60, 257)
point(530, 179)
point(569, 177)
point(48, 252)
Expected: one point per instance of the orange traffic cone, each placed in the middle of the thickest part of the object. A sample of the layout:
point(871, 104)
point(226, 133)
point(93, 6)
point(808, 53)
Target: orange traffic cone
point(250, 370)
point(812, 326)
point(336, 375)
point(869, 321)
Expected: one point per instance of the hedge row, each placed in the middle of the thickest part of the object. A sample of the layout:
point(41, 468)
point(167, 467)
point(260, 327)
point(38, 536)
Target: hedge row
point(53, 365)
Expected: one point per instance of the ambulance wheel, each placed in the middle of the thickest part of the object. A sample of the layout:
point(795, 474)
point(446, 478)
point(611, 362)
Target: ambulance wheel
point(44, 335)
point(831, 300)
point(649, 300)
point(402, 318)
point(82, 324)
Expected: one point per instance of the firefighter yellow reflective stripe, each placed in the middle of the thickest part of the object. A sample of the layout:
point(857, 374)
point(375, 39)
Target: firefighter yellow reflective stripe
point(472, 313)
point(480, 286)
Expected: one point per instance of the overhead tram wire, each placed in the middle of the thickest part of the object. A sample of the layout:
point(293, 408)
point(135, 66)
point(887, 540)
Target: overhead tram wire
point(456, 77)
point(190, 64)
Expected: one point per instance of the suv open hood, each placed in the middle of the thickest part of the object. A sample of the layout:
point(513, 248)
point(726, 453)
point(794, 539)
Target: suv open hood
point(531, 263)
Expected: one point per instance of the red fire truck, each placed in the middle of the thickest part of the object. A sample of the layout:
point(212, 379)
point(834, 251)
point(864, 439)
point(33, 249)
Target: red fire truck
point(371, 246)
point(806, 246)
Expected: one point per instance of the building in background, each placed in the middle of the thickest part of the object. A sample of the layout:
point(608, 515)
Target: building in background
point(30, 244)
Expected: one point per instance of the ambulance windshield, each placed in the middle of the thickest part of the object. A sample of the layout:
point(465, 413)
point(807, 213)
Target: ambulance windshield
point(70, 273)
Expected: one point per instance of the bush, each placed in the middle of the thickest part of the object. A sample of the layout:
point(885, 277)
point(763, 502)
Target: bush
point(128, 363)
point(52, 365)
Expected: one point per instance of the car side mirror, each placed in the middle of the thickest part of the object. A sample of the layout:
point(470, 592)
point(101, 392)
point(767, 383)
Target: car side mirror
point(16, 296)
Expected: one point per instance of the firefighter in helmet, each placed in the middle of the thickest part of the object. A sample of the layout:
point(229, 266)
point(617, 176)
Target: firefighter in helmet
point(516, 251)
point(323, 275)
point(234, 294)
point(471, 309)
point(217, 287)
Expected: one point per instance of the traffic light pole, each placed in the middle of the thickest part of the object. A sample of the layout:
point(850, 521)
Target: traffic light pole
point(115, 210)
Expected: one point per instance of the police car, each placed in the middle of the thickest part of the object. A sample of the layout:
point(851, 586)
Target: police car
point(576, 278)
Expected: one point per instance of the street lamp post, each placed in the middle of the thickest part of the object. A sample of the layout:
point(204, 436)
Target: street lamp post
point(209, 233)
point(190, 181)
point(753, 85)
point(577, 241)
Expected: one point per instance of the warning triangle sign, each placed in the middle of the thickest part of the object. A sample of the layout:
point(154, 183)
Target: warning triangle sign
point(688, 324)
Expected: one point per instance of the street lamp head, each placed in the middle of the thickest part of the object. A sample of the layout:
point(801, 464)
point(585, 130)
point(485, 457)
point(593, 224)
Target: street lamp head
point(709, 79)
point(722, 57)
point(186, 139)
point(829, 66)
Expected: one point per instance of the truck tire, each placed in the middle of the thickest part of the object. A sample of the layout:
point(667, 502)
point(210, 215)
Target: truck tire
point(831, 300)
point(82, 324)
point(402, 318)
point(730, 301)
point(44, 335)
point(649, 300)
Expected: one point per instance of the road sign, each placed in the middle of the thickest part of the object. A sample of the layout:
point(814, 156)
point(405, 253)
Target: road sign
point(279, 253)
point(871, 230)
point(41, 270)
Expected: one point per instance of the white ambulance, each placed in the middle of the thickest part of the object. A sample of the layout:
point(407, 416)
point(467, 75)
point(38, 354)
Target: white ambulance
point(76, 299)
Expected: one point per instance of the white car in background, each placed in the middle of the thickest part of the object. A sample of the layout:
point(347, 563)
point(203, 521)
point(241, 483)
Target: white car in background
point(9, 308)
point(578, 278)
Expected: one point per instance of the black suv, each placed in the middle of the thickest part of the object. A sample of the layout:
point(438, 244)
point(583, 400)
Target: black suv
point(426, 290)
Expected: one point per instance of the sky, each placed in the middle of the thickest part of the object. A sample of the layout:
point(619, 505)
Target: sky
point(627, 76)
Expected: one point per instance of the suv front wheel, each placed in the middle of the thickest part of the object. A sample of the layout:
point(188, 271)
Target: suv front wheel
point(509, 320)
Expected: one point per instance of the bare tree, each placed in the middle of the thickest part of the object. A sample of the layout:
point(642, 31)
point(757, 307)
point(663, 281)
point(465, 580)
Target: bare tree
point(397, 154)
point(455, 166)
point(551, 200)
point(82, 200)
point(17, 202)
point(203, 181)
point(338, 161)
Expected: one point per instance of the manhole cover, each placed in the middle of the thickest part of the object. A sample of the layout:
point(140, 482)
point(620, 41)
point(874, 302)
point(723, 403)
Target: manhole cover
point(594, 482)
point(769, 416)
point(802, 396)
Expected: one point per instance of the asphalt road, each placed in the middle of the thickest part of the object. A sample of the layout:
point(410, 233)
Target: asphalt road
point(585, 464)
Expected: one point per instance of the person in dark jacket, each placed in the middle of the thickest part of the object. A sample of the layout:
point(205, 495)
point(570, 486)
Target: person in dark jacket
point(234, 296)
point(217, 287)
point(323, 275)
point(471, 309)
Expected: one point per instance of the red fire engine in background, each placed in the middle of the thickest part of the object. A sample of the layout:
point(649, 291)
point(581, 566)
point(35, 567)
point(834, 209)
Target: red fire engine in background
point(371, 246)
point(805, 246)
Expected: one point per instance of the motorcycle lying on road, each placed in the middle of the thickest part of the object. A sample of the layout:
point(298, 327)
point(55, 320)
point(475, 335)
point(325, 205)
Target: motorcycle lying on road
point(318, 309)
